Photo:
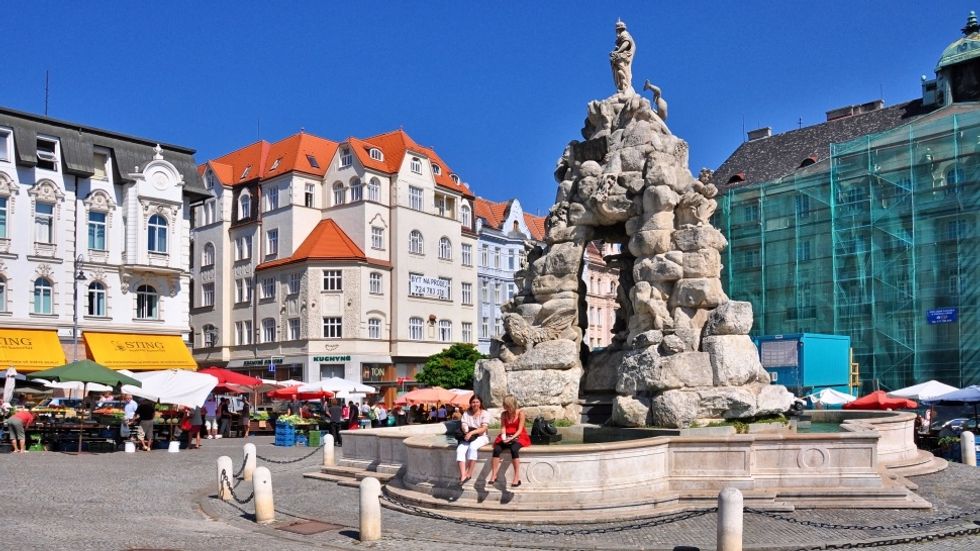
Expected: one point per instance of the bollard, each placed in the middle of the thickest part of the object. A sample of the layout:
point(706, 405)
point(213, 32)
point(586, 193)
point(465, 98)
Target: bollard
point(248, 456)
point(328, 457)
point(265, 510)
point(968, 450)
point(370, 529)
point(730, 520)
point(224, 488)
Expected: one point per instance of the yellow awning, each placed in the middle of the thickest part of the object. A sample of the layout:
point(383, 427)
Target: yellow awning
point(30, 349)
point(139, 352)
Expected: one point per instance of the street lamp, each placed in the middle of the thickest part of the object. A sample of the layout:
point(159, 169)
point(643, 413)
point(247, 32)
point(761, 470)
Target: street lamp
point(79, 275)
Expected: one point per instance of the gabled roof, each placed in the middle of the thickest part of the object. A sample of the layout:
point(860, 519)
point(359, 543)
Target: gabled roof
point(494, 214)
point(327, 241)
point(535, 224)
point(229, 168)
point(293, 154)
point(395, 145)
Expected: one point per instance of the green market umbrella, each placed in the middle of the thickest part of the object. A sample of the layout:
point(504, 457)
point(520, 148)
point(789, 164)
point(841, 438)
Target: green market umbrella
point(85, 371)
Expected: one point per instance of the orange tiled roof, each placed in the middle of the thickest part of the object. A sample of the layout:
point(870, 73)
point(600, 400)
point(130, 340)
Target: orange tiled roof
point(492, 213)
point(292, 153)
point(535, 224)
point(395, 145)
point(327, 241)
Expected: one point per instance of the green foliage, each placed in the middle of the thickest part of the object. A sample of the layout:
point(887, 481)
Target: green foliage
point(948, 441)
point(742, 425)
point(451, 368)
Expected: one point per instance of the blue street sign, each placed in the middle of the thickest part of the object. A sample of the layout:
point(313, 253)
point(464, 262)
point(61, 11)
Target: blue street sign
point(272, 366)
point(942, 315)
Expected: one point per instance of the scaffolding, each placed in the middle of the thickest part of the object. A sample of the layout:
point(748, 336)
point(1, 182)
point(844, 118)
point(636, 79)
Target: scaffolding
point(879, 242)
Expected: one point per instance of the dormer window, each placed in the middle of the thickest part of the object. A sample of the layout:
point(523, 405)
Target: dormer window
point(454, 178)
point(416, 165)
point(312, 160)
point(209, 180)
point(275, 164)
point(346, 159)
point(436, 169)
point(376, 154)
point(47, 154)
point(245, 172)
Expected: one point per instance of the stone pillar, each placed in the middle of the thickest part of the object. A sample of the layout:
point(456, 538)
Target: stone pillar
point(730, 520)
point(248, 456)
point(968, 450)
point(328, 451)
point(224, 477)
point(265, 510)
point(370, 510)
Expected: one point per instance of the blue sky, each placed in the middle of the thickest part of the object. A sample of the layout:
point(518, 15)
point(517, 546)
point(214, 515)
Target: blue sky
point(497, 88)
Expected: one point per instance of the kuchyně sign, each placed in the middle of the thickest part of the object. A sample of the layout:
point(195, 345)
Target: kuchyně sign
point(138, 352)
point(331, 358)
point(30, 349)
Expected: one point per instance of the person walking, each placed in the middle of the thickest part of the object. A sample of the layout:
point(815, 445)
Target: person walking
point(145, 412)
point(211, 416)
point(17, 424)
point(382, 416)
point(224, 416)
point(336, 413)
point(129, 412)
point(197, 421)
point(245, 414)
point(353, 412)
point(513, 436)
point(473, 436)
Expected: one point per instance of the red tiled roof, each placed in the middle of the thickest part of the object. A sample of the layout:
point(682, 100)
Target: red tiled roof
point(492, 213)
point(535, 224)
point(327, 241)
point(395, 145)
point(295, 152)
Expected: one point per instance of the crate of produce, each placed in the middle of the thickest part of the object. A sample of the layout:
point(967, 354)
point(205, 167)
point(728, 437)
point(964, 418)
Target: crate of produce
point(313, 439)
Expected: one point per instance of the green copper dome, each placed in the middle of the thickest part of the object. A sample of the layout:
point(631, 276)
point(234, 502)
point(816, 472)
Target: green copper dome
point(965, 48)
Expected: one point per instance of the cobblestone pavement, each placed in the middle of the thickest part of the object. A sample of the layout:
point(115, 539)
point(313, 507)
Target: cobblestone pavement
point(159, 500)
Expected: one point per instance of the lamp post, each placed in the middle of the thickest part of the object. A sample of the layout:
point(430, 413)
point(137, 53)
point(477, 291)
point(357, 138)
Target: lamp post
point(78, 275)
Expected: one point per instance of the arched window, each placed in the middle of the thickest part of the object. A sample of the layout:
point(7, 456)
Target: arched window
point(96, 299)
point(436, 169)
point(374, 283)
point(416, 165)
point(156, 238)
point(207, 255)
point(43, 296)
point(445, 249)
point(374, 190)
point(454, 178)
point(244, 205)
point(415, 329)
point(147, 303)
point(376, 154)
point(338, 193)
point(415, 243)
point(3, 294)
point(210, 335)
point(466, 215)
point(374, 328)
point(356, 190)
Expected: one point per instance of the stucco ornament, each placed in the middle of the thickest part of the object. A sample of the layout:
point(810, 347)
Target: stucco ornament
point(680, 350)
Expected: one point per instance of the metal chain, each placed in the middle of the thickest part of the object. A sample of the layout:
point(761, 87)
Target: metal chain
point(647, 523)
point(285, 461)
point(920, 538)
point(834, 526)
point(242, 470)
point(231, 489)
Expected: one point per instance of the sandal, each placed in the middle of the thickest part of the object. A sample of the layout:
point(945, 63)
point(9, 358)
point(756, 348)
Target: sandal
point(516, 484)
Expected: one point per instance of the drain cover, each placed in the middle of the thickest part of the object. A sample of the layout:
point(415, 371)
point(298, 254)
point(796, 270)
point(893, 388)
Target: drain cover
point(309, 527)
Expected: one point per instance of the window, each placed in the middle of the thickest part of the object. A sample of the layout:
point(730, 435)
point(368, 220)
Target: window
point(3, 294)
point(466, 253)
point(376, 154)
point(44, 223)
point(445, 249)
point(467, 216)
point(415, 329)
point(496, 257)
point(346, 159)
point(100, 164)
point(147, 303)
point(374, 328)
point(415, 198)
point(415, 243)
point(332, 328)
point(333, 280)
point(268, 330)
point(243, 333)
point(207, 255)
point(338, 194)
point(275, 164)
point(374, 190)
point(156, 238)
point(356, 190)
point(209, 180)
point(270, 199)
point(244, 206)
point(467, 292)
point(293, 284)
point(243, 290)
point(498, 327)
point(272, 242)
point(467, 331)
point(803, 251)
point(312, 160)
point(210, 334)
point(374, 283)
point(209, 212)
point(445, 330)
point(47, 154)
point(269, 287)
point(496, 293)
point(207, 294)
point(309, 195)
point(96, 299)
point(445, 205)
point(416, 165)
point(957, 229)
point(245, 172)
point(448, 287)
point(510, 291)
point(294, 329)
point(454, 178)
point(377, 238)
point(802, 206)
point(485, 255)
point(750, 213)
point(96, 231)
point(436, 169)
point(3, 217)
point(484, 293)
point(4, 145)
point(243, 247)
point(485, 328)
point(511, 259)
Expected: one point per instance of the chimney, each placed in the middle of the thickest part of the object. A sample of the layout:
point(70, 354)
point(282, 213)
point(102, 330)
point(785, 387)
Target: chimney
point(760, 133)
point(849, 110)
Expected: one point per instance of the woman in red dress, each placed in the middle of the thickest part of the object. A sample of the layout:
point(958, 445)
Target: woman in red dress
point(513, 436)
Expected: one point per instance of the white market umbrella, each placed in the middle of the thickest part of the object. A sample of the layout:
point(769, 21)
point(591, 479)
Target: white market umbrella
point(79, 386)
point(831, 397)
point(174, 386)
point(336, 385)
point(923, 391)
point(8, 385)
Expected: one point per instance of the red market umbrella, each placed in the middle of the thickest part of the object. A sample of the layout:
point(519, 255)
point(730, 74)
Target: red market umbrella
point(434, 395)
point(881, 401)
point(229, 377)
point(290, 393)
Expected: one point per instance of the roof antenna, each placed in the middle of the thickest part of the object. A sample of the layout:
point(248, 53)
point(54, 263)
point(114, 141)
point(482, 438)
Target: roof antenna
point(799, 122)
point(46, 89)
point(743, 127)
point(258, 128)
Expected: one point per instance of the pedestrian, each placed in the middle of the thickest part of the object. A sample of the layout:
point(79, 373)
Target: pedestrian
point(17, 424)
point(400, 416)
point(472, 436)
point(353, 412)
point(413, 412)
point(245, 414)
point(211, 416)
point(441, 413)
point(129, 412)
point(513, 436)
point(382, 416)
point(295, 408)
point(457, 414)
point(433, 413)
point(336, 413)
point(197, 421)
point(145, 412)
point(224, 417)
point(105, 399)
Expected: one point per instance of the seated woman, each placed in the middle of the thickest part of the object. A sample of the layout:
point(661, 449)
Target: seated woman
point(474, 426)
point(513, 436)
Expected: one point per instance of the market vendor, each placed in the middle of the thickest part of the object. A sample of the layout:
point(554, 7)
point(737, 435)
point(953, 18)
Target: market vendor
point(17, 425)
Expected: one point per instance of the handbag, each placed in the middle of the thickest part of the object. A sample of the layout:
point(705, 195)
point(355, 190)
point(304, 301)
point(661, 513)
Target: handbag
point(460, 433)
point(185, 424)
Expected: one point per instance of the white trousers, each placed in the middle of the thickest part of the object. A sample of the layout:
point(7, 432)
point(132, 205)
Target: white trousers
point(469, 450)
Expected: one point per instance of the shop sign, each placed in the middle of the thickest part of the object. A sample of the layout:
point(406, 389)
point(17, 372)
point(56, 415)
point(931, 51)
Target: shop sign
point(262, 362)
point(432, 287)
point(331, 358)
point(942, 315)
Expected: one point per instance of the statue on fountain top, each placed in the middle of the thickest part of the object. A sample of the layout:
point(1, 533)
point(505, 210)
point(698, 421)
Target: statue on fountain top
point(621, 59)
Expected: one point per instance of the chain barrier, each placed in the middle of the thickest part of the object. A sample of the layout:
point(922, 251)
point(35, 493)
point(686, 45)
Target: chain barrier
point(242, 470)
point(834, 526)
point(920, 538)
point(287, 461)
point(637, 525)
point(231, 490)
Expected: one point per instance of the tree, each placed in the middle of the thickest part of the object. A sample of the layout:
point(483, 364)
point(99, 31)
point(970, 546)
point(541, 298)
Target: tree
point(451, 368)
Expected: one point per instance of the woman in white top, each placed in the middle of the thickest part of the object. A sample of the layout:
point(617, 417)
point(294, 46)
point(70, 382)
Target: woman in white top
point(475, 422)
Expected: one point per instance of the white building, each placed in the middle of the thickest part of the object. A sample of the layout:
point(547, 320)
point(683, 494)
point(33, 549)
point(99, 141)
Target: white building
point(350, 259)
point(103, 218)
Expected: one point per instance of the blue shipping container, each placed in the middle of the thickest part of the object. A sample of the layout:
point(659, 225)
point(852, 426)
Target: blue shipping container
point(806, 362)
